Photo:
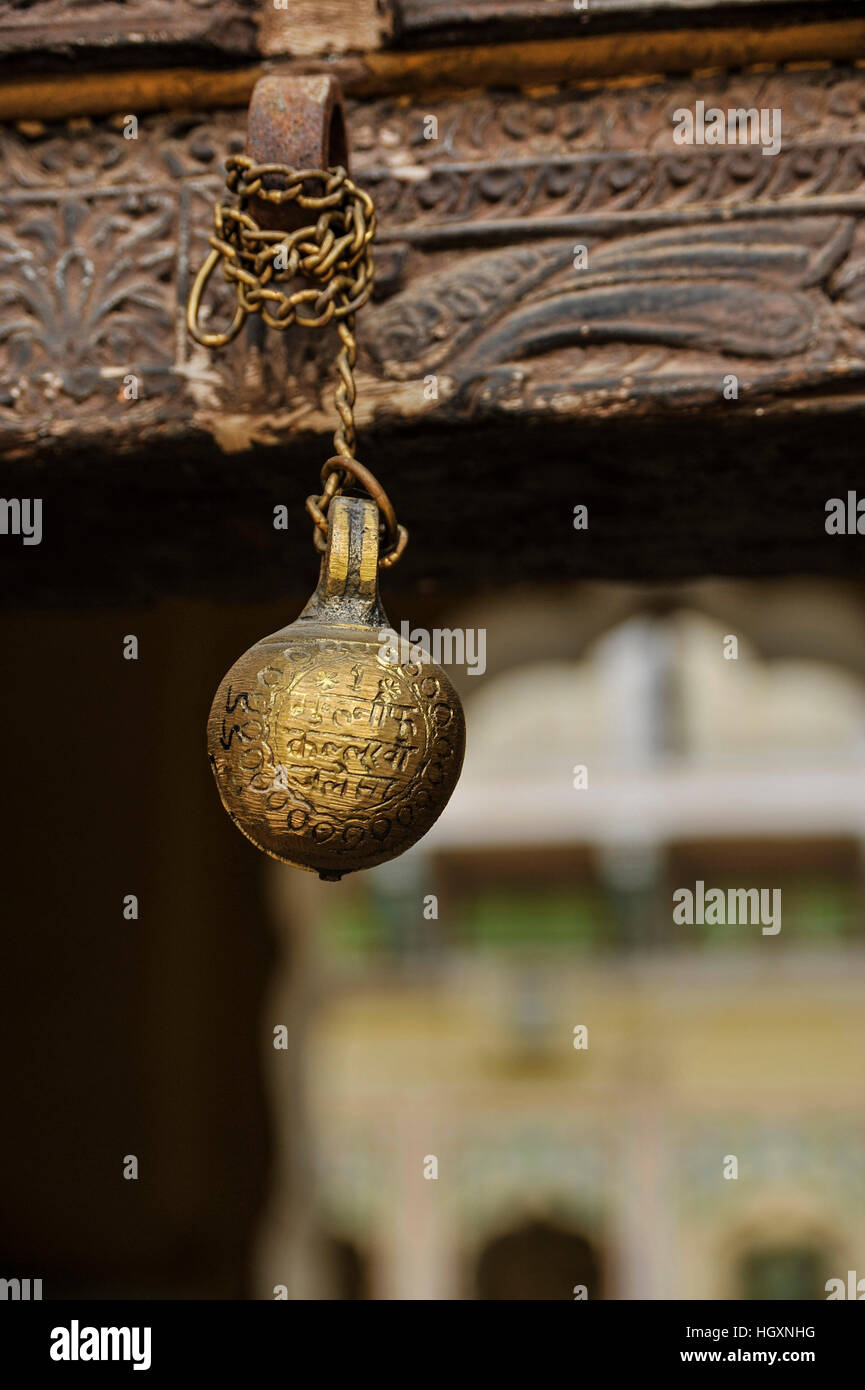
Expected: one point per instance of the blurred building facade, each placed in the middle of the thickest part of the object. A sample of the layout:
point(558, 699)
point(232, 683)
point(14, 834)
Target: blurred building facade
point(445, 1028)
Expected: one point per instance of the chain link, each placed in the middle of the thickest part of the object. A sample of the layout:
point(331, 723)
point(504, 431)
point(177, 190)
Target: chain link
point(334, 253)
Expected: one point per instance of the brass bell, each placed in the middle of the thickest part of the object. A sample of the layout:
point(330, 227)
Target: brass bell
point(331, 752)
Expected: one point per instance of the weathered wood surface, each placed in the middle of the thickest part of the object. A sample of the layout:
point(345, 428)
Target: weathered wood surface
point(306, 28)
point(417, 22)
point(424, 73)
point(100, 33)
point(40, 33)
point(702, 262)
point(554, 385)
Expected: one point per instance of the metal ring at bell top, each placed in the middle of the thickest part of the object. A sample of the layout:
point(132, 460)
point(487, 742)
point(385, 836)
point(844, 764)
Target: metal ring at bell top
point(371, 484)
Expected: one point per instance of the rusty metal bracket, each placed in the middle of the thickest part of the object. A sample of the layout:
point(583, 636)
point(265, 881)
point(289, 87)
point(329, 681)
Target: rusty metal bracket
point(295, 121)
point(298, 121)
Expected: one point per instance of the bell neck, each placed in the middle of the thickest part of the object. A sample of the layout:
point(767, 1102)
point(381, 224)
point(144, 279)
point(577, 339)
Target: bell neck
point(347, 592)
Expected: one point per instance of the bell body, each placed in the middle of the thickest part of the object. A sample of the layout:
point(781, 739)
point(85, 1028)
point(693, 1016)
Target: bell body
point(331, 753)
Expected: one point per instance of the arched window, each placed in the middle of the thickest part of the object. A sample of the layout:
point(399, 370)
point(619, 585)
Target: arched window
point(791, 1272)
point(537, 1260)
point(346, 1268)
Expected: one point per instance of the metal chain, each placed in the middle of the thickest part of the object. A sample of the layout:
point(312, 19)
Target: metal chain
point(334, 252)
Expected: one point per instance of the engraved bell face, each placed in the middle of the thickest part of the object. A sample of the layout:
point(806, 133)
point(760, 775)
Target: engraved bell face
point(329, 753)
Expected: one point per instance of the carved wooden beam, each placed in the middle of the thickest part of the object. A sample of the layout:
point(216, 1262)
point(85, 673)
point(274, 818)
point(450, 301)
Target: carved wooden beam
point(497, 353)
point(52, 32)
point(700, 262)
